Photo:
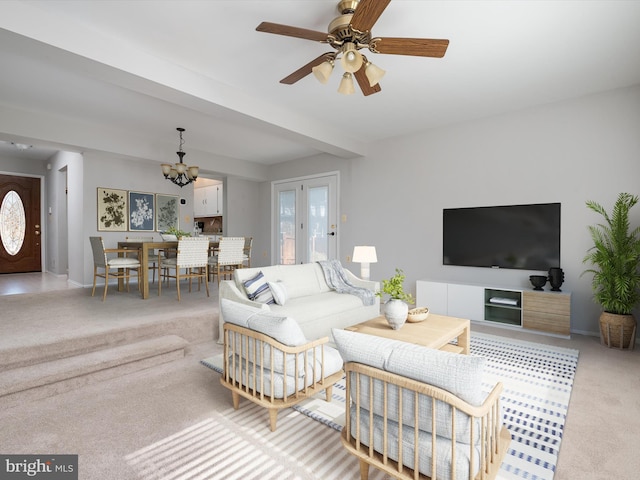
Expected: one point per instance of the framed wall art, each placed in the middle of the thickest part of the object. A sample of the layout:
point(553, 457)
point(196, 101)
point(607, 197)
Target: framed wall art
point(141, 212)
point(167, 212)
point(112, 210)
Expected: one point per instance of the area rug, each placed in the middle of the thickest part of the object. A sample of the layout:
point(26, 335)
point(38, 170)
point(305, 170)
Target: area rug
point(537, 381)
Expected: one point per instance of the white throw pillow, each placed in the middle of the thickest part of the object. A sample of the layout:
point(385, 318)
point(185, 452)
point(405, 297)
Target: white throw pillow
point(258, 289)
point(279, 292)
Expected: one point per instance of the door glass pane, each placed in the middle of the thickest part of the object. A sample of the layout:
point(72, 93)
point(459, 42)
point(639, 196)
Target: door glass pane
point(12, 222)
point(318, 223)
point(287, 227)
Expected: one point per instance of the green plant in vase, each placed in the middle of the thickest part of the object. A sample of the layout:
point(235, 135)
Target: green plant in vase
point(615, 260)
point(396, 308)
point(177, 232)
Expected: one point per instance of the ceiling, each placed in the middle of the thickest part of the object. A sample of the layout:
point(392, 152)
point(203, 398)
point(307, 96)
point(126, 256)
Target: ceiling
point(136, 70)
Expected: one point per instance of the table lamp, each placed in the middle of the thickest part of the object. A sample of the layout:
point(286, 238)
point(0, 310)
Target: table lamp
point(364, 255)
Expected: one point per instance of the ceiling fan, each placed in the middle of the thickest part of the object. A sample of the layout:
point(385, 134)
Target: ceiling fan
point(348, 33)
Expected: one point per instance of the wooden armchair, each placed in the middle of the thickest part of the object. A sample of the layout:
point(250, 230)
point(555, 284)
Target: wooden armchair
point(274, 375)
point(404, 418)
point(429, 451)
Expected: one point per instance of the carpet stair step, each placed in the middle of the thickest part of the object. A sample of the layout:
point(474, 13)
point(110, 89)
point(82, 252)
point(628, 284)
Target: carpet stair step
point(58, 376)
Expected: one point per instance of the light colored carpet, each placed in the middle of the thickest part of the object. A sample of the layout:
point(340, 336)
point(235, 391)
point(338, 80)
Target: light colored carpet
point(34, 319)
point(537, 382)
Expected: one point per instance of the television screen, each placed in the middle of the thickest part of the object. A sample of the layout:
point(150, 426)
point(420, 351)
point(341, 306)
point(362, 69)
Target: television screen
point(512, 236)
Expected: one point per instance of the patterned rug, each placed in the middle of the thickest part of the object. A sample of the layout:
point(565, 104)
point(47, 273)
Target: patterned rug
point(537, 381)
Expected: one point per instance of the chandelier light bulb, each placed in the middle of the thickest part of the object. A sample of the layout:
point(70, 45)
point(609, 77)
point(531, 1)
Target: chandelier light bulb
point(351, 59)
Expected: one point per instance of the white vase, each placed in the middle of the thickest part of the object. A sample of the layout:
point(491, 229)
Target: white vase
point(396, 311)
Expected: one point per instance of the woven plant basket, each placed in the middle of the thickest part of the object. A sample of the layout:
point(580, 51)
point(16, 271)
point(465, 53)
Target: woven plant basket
point(618, 331)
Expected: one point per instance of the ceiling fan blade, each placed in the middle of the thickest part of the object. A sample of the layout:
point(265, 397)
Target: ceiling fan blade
point(289, 31)
point(363, 81)
point(367, 14)
point(421, 47)
point(306, 70)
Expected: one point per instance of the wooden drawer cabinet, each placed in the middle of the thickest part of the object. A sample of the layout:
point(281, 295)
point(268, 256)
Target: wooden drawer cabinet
point(547, 311)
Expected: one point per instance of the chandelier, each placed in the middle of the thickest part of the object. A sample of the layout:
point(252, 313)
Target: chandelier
point(180, 173)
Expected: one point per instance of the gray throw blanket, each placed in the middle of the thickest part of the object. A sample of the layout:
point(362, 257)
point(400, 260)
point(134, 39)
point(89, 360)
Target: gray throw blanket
point(337, 280)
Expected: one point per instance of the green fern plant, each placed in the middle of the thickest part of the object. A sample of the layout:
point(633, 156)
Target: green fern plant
point(394, 288)
point(615, 257)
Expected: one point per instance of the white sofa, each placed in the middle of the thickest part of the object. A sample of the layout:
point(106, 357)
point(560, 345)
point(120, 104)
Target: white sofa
point(308, 298)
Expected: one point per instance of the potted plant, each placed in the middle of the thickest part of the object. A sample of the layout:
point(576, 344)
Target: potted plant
point(396, 308)
point(173, 234)
point(615, 256)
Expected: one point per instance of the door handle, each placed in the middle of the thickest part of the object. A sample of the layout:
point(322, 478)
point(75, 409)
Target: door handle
point(331, 233)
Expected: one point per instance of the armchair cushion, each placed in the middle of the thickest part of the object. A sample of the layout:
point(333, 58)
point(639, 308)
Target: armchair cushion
point(458, 374)
point(284, 329)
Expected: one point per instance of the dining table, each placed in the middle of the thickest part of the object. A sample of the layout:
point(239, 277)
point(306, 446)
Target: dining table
point(144, 248)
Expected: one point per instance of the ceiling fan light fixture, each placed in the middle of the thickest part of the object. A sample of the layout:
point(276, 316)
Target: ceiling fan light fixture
point(351, 58)
point(346, 85)
point(374, 73)
point(323, 71)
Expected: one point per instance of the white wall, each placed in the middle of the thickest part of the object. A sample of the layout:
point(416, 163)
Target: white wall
point(569, 152)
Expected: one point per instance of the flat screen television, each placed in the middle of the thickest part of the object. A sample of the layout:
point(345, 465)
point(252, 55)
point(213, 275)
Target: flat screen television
point(523, 237)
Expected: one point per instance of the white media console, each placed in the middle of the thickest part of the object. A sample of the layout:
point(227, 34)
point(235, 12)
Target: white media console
point(545, 311)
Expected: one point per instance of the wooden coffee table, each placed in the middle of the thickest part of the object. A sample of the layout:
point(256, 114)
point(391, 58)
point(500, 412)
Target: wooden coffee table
point(434, 332)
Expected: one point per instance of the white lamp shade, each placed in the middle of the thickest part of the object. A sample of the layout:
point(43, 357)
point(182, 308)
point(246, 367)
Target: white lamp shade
point(323, 71)
point(374, 73)
point(166, 168)
point(364, 254)
point(346, 85)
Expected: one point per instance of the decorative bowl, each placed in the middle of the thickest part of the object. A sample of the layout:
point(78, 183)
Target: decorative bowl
point(538, 281)
point(417, 314)
point(167, 237)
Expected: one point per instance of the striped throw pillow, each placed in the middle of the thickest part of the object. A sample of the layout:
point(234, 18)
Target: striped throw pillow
point(258, 289)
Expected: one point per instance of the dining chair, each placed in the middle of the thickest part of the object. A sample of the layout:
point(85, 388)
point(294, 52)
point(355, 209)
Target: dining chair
point(191, 256)
point(246, 252)
point(153, 257)
point(116, 267)
point(229, 257)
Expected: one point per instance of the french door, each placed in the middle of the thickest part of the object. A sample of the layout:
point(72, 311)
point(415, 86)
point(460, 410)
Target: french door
point(20, 229)
point(305, 219)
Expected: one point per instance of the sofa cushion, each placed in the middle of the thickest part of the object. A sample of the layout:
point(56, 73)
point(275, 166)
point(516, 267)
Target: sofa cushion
point(300, 280)
point(279, 292)
point(258, 289)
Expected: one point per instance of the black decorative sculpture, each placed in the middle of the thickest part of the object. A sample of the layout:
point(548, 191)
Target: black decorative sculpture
point(538, 281)
point(556, 277)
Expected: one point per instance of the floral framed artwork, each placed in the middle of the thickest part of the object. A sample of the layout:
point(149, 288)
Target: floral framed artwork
point(141, 212)
point(112, 210)
point(167, 212)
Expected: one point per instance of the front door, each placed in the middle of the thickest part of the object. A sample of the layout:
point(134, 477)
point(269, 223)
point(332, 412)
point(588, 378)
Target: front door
point(20, 228)
point(305, 220)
